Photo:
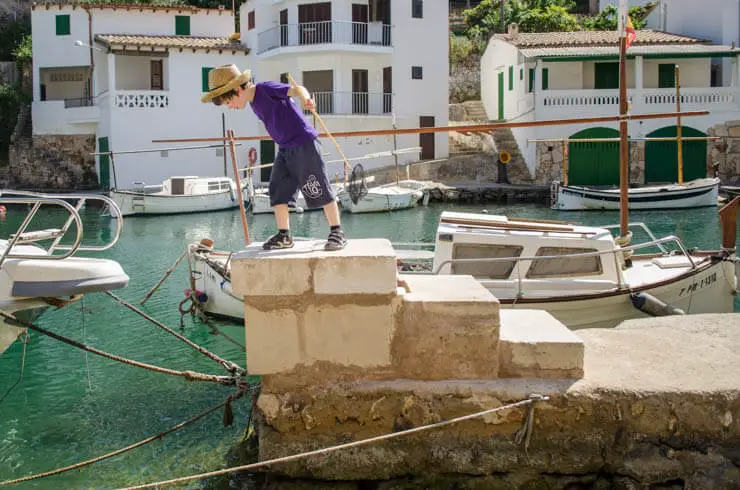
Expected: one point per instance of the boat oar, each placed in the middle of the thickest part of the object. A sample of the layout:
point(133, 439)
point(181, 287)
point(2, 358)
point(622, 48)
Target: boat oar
point(166, 275)
point(347, 166)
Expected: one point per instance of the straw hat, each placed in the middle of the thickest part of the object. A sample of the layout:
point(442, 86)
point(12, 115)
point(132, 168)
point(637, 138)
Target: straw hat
point(224, 78)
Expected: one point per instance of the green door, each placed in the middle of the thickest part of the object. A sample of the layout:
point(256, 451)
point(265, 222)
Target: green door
point(661, 157)
point(594, 163)
point(666, 75)
point(501, 96)
point(267, 155)
point(104, 163)
point(606, 75)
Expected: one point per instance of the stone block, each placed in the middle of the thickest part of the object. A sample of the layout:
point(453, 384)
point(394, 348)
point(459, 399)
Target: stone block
point(364, 266)
point(274, 340)
point(734, 131)
point(447, 328)
point(348, 335)
point(533, 344)
point(258, 272)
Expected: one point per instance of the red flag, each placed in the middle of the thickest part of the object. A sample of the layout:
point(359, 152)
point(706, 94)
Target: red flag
point(630, 32)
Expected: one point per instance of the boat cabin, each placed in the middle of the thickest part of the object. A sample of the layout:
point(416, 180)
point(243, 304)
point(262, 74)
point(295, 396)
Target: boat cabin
point(500, 252)
point(192, 185)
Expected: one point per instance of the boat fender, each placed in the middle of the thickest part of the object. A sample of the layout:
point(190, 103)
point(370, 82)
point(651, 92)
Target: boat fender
point(651, 305)
point(201, 296)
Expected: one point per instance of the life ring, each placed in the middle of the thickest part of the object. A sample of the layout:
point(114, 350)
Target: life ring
point(252, 155)
point(3, 210)
point(504, 157)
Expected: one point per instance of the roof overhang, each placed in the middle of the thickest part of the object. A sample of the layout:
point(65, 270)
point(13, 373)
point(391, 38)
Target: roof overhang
point(601, 53)
point(129, 44)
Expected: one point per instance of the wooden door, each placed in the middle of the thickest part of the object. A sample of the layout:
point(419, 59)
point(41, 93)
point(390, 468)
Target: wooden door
point(387, 90)
point(284, 27)
point(501, 96)
point(606, 75)
point(661, 157)
point(426, 140)
point(594, 163)
point(360, 99)
point(359, 23)
point(155, 75)
point(314, 21)
point(104, 163)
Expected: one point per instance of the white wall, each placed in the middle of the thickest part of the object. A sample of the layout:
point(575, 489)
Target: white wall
point(497, 58)
point(203, 22)
point(693, 72)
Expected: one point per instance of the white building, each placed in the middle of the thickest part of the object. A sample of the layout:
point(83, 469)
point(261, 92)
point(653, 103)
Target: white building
point(566, 75)
point(140, 71)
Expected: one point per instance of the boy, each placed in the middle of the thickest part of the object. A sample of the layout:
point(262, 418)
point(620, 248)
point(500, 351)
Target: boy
point(298, 163)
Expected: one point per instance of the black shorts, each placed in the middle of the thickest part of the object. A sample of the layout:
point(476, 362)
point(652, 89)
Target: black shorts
point(300, 168)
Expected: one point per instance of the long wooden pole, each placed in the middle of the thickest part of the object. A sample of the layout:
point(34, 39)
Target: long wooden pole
point(678, 126)
point(239, 193)
point(347, 166)
point(565, 162)
point(611, 140)
point(480, 128)
point(624, 139)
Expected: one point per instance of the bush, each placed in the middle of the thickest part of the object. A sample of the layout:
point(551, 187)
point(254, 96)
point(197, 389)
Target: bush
point(11, 99)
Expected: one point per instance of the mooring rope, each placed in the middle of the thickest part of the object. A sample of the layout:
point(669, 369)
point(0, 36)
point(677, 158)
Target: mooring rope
point(532, 399)
point(189, 375)
point(174, 428)
point(228, 365)
point(24, 340)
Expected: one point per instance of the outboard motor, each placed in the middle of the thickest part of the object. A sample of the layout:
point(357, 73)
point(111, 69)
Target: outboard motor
point(649, 304)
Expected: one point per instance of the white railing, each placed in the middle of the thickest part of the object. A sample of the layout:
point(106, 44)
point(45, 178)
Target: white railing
point(140, 99)
point(343, 103)
point(578, 98)
point(710, 96)
point(326, 32)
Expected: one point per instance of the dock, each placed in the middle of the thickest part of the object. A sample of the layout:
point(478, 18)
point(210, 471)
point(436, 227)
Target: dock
point(482, 192)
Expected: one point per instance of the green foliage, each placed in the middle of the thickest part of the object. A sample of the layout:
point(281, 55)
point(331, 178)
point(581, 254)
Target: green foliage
point(23, 52)
point(531, 16)
point(461, 48)
point(551, 18)
point(11, 99)
point(606, 20)
point(11, 35)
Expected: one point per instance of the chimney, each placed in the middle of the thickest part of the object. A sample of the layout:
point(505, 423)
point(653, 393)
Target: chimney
point(221, 7)
point(513, 29)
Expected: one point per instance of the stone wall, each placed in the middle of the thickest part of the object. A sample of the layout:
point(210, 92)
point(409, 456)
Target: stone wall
point(724, 153)
point(51, 162)
point(465, 80)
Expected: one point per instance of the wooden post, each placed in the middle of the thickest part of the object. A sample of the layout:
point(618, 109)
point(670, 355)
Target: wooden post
point(239, 193)
point(623, 139)
point(679, 142)
point(565, 162)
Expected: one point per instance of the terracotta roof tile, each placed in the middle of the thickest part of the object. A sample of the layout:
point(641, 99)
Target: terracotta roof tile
point(645, 37)
point(136, 42)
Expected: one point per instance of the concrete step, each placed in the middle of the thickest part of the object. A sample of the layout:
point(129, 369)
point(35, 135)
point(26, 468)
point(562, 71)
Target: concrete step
point(534, 344)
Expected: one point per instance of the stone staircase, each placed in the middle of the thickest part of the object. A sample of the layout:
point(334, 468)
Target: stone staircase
point(517, 171)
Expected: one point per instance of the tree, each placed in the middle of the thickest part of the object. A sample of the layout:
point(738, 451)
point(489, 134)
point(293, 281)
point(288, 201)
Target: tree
point(606, 20)
point(531, 16)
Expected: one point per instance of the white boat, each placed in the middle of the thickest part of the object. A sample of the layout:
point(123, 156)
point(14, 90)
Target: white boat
point(34, 278)
point(579, 274)
point(260, 201)
point(184, 194)
point(404, 194)
point(694, 194)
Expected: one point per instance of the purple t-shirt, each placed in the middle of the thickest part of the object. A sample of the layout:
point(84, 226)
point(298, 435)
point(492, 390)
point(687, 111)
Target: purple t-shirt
point(283, 119)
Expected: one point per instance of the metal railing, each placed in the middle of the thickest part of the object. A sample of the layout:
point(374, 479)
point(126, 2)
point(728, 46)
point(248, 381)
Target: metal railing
point(325, 32)
point(79, 102)
point(36, 200)
point(371, 103)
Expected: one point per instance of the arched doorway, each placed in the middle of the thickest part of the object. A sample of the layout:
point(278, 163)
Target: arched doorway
point(661, 157)
point(594, 163)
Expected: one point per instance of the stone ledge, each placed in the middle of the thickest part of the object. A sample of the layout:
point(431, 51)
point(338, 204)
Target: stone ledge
point(536, 345)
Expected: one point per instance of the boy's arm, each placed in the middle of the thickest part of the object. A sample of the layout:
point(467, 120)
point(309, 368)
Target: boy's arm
point(302, 93)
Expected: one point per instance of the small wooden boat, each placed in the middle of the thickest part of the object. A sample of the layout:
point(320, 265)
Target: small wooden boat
point(404, 194)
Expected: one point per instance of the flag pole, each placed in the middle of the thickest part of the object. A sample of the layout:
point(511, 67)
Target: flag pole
point(623, 128)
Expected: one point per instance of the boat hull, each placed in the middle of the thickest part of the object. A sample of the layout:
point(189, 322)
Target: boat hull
point(132, 203)
point(26, 310)
point(377, 202)
point(694, 194)
point(210, 280)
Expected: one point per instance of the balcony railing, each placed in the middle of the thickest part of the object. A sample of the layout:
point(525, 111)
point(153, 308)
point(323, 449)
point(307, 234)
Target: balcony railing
point(346, 103)
point(327, 32)
point(79, 102)
point(149, 99)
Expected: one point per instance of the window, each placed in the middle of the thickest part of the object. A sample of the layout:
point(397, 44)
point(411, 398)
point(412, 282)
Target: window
point(417, 9)
point(416, 73)
point(666, 75)
point(204, 77)
point(565, 267)
point(182, 25)
point(545, 78)
point(511, 78)
point(250, 20)
point(521, 73)
point(63, 25)
point(495, 269)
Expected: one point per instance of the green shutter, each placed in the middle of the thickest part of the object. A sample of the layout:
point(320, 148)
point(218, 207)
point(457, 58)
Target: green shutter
point(63, 25)
point(511, 78)
point(606, 75)
point(666, 75)
point(545, 78)
point(182, 25)
point(501, 96)
point(204, 77)
point(531, 80)
point(521, 73)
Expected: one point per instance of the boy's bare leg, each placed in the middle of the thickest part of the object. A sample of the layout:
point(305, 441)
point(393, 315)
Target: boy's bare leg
point(331, 211)
point(282, 216)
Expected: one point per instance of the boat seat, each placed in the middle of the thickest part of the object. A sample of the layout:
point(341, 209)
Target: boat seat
point(672, 262)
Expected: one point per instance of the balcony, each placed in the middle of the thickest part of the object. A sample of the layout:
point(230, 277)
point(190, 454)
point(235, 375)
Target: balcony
point(586, 103)
point(141, 99)
point(353, 103)
point(338, 33)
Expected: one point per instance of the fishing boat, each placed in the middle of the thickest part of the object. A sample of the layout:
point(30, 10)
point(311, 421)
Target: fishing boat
point(260, 201)
point(731, 191)
point(403, 194)
point(34, 278)
point(693, 194)
point(176, 195)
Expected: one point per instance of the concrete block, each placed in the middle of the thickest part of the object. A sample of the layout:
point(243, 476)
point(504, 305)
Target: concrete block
point(533, 344)
point(364, 266)
point(349, 335)
point(273, 339)
point(447, 329)
point(258, 272)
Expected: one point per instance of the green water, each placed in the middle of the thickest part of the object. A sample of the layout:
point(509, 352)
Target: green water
point(71, 406)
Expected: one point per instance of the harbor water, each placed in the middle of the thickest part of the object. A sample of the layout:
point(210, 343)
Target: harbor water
point(71, 406)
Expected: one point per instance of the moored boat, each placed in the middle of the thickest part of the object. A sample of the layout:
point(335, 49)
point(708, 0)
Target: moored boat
point(404, 194)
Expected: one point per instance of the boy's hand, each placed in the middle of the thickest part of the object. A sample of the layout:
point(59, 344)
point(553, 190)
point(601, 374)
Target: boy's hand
point(309, 103)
